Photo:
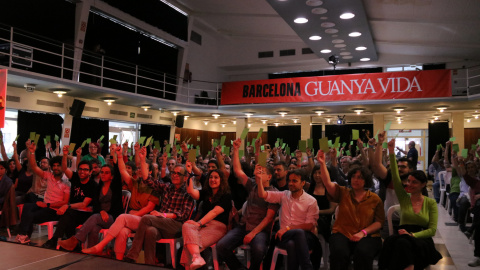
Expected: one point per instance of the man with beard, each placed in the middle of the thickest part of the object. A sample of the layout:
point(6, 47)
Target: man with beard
point(39, 184)
point(281, 170)
point(405, 166)
point(57, 194)
point(96, 167)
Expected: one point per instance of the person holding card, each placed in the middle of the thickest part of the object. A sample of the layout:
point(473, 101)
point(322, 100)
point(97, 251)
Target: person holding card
point(93, 152)
point(413, 247)
point(356, 230)
point(78, 209)
point(412, 153)
point(57, 194)
point(255, 226)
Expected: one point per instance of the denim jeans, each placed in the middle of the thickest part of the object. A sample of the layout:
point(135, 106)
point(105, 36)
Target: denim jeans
point(233, 239)
point(297, 243)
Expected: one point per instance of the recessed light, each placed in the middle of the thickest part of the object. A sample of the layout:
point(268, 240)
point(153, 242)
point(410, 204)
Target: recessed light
point(326, 51)
point(174, 112)
point(347, 15)
point(283, 113)
point(331, 31)
point(109, 101)
point(248, 114)
point(216, 115)
point(361, 48)
point(205, 122)
point(358, 110)
point(365, 59)
point(319, 11)
point(319, 112)
point(145, 107)
point(314, 3)
point(315, 37)
point(300, 20)
point(355, 34)
point(60, 93)
point(335, 41)
point(327, 24)
point(340, 45)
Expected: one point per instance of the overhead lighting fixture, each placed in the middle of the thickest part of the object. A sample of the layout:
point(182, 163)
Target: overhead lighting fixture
point(435, 117)
point(398, 109)
point(441, 108)
point(319, 112)
point(234, 122)
point(475, 115)
point(216, 115)
point(109, 100)
point(295, 120)
point(315, 38)
point(326, 51)
point(276, 124)
point(282, 113)
point(60, 93)
point(175, 112)
point(358, 111)
point(399, 119)
point(300, 20)
point(248, 114)
point(264, 121)
point(186, 117)
point(361, 48)
point(365, 59)
point(329, 119)
point(249, 125)
point(145, 107)
point(205, 122)
point(432, 121)
point(468, 120)
point(223, 124)
point(347, 15)
point(355, 34)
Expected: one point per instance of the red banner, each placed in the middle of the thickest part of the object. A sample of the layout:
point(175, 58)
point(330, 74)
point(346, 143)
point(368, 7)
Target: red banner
point(3, 96)
point(371, 86)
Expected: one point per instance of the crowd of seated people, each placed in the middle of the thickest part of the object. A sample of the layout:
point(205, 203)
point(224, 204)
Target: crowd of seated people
point(285, 201)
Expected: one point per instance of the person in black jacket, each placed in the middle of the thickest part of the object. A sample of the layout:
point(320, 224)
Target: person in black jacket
point(107, 205)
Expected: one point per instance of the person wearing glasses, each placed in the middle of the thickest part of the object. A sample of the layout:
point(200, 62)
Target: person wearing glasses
point(176, 207)
point(93, 152)
point(79, 209)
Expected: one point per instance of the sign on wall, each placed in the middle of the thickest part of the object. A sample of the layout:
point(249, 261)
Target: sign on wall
point(371, 86)
point(3, 96)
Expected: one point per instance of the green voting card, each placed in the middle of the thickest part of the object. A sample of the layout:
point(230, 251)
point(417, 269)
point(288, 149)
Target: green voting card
point(16, 138)
point(89, 140)
point(56, 138)
point(276, 144)
point(452, 139)
point(387, 126)
point(262, 148)
point(222, 140)
point(456, 148)
point(226, 150)
point(157, 145)
point(259, 133)
point(37, 137)
point(348, 153)
point(192, 155)
point(241, 153)
point(101, 138)
point(323, 142)
point(47, 138)
point(344, 144)
point(464, 153)
point(71, 147)
point(115, 137)
point(148, 141)
point(287, 150)
point(302, 145)
point(310, 143)
point(262, 159)
point(439, 147)
point(337, 142)
point(112, 141)
point(355, 134)
point(32, 136)
point(167, 148)
point(385, 145)
point(142, 139)
point(283, 145)
point(244, 134)
point(83, 144)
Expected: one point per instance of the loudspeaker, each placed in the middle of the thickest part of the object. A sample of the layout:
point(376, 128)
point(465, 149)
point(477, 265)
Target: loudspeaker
point(77, 108)
point(179, 121)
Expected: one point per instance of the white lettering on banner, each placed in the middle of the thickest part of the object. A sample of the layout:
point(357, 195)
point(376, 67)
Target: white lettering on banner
point(365, 86)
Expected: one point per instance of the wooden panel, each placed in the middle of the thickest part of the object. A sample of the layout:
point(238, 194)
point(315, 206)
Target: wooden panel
point(206, 138)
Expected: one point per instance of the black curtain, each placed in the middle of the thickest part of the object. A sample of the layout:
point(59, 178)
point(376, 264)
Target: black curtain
point(40, 123)
point(438, 133)
point(84, 128)
point(290, 135)
point(159, 132)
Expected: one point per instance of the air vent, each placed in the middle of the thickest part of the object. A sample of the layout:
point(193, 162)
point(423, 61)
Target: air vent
point(146, 116)
point(165, 118)
point(196, 37)
point(13, 98)
point(265, 54)
point(50, 103)
point(122, 113)
point(307, 51)
point(91, 109)
point(287, 52)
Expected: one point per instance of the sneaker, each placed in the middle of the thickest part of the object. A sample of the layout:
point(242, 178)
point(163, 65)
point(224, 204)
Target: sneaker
point(50, 244)
point(474, 262)
point(197, 262)
point(22, 239)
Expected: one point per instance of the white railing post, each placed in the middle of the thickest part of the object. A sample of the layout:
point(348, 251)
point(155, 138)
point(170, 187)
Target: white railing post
point(101, 72)
point(164, 84)
point(136, 78)
point(11, 48)
point(63, 60)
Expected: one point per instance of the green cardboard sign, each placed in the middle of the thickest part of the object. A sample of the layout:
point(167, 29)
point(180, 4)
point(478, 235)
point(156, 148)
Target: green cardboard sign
point(16, 138)
point(385, 145)
point(244, 133)
point(456, 148)
point(283, 145)
point(323, 142)
point(71, 147)
point(348, 153)
point(142, 140)
point(47, 138)
point(37, 137)
point(387, 126)
point(262, 159)
point(168, 147)
point(157, 145)
point(56, 138)
point(148, 141)
point(302, 145)
point(32, 136)
point(259, 133)
point(222, 140)
point(310, 143)
point(83, 144)
point(355, 134)
point(337, 142)
point(464, 153)
point(452, 139)
point(241, 153)
point(287, 150)
point(101, 137)
point(89, 140)
point(262, 148)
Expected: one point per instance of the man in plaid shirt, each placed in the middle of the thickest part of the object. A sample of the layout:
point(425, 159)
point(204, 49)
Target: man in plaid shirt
point(176, 208)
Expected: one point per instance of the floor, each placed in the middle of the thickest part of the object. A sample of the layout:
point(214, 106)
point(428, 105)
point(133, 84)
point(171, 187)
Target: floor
point(452, 243)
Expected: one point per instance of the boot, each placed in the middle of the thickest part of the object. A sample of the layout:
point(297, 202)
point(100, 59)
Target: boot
point(69, 244)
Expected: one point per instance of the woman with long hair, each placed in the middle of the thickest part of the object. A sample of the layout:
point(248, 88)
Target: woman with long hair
point(212, 225)
point(413, 247)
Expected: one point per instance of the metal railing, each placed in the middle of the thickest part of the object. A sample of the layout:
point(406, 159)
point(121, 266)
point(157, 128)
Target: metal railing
point(26, 51)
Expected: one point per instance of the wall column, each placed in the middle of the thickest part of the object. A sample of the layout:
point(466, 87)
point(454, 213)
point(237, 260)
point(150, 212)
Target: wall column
point(458, 132)
point(306, 129)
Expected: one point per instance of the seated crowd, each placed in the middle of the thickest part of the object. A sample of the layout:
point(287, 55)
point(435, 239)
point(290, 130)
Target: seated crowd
point(285, 201)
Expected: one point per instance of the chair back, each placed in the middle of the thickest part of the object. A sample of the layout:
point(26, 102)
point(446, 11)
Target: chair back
point(391, 210)
point(441, 177)
point(126, 195)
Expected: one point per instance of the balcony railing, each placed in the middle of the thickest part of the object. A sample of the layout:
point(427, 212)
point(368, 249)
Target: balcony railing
point(26, 51)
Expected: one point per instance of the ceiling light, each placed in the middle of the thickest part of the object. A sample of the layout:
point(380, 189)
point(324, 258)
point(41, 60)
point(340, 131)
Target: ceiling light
point(264, 121)
point(249, 125)
point(398, 110)
point(300, 20)
point(145, 107)
point(276, 124)
point(358, 111)
point(432, 121)
point(248, 114)
point(234, 122)
point(441, 108)
point(109, 101)
point(347, 15)
point(365, 59)
point(215, 115)
point(468, 120)
point(315, 38)
point(355, 34)
point(475, 115)
point(283, 113)
point(329, 119)
point(186, 117)
point(60, 93)
point(175, 112)
point(361, 48)
point(295, 120)
point(205, 122)
point(326, 51)
point(435, 117)
point(223, 124)
point(319, 112)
